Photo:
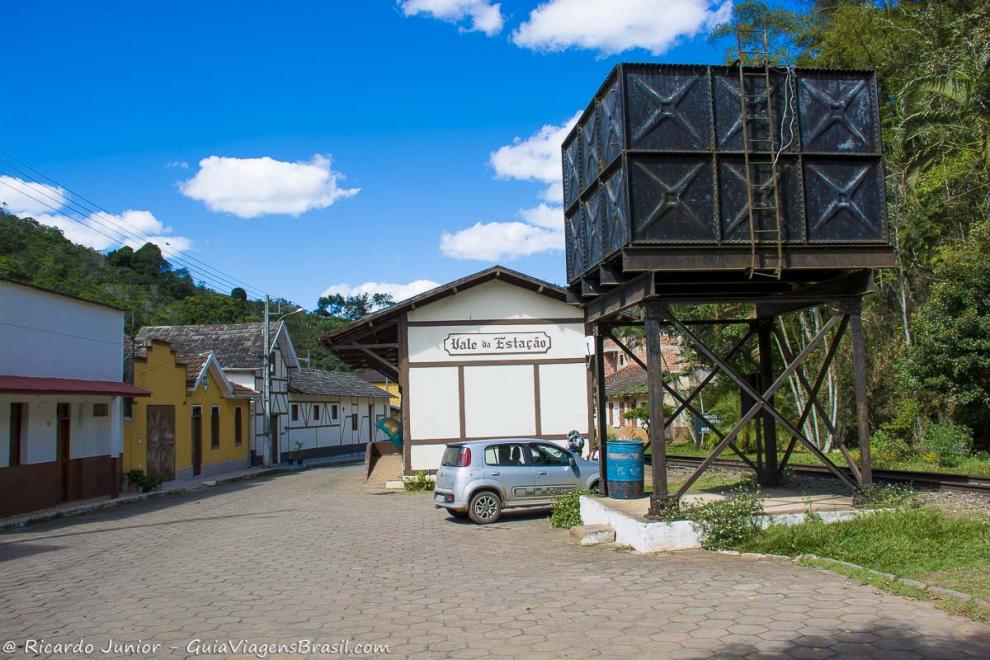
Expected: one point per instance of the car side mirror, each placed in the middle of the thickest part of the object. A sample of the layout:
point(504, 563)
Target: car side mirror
point(572, 461)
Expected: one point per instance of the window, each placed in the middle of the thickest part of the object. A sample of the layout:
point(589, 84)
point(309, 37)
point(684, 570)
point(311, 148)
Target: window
point(100, 410)
point(128, 407)
point(542, 454)
point(611, 414)
point(354, 421)
point(214, 427)
point(238, 426)
point(295, 412)
point(316, 412)
point(507, 455)
point(18, 424)
point(334, 412)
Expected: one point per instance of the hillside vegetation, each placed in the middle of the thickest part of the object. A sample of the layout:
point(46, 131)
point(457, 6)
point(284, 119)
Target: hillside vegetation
point(150, 291)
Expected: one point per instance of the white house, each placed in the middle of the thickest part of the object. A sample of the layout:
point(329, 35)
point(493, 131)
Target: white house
point(61, 383)
point(333, 415)
point(498, 354)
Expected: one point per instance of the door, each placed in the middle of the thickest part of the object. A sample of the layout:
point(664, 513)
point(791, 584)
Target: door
point(506, 465)
point(63, 450)
point(554, 473)
point(161, 441)
point(273, 425)
point(197, 440)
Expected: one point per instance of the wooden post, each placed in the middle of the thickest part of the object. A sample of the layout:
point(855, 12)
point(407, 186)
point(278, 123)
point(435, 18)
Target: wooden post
point(654, 314)
point(601, 401)
point(769, 476)
point(859, 384)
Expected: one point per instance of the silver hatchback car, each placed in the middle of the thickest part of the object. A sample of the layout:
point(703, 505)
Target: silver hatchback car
point(480, 478)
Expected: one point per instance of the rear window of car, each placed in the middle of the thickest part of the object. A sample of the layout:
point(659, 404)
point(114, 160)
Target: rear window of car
point(450, 456)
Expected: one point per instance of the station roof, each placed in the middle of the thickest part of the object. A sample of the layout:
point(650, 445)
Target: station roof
point(371, 342)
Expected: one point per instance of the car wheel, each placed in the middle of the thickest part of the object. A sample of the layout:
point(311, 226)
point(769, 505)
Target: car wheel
point(485, 507)
point(596, 488)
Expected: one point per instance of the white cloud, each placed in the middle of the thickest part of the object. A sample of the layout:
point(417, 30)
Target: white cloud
point(102, 231)
point(484, 16)
point(551, 217)
point(249, 187)
point(536, 158)
point(27, 198)
point(99, 230)
point(178, 164)
point(494, 241)
point(618, 25)
point(397, 291)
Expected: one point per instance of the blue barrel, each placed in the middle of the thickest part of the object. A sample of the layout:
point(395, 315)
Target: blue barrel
point(624, 469)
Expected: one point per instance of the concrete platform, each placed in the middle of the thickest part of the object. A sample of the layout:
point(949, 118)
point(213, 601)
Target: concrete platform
point(776, 501)
point(632, 528)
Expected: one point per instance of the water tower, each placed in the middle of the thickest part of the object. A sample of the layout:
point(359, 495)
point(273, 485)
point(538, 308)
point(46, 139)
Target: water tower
point(748, 183)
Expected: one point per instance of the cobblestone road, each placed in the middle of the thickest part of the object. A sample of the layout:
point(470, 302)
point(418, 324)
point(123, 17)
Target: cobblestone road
point(318, 555)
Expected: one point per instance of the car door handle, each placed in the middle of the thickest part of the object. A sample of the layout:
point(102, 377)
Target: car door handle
point(541, 472)
point(495, 474)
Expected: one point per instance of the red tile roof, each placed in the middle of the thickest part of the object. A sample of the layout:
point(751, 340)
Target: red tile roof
point(35, 385)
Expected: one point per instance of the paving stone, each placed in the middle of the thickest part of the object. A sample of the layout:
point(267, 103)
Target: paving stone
point(320, 555)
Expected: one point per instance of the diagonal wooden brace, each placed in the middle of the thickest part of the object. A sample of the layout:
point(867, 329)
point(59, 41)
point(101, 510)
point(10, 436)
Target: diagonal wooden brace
point(761, 403)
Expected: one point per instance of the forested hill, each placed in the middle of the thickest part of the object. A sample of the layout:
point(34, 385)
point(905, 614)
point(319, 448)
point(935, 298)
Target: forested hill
point(149, 289)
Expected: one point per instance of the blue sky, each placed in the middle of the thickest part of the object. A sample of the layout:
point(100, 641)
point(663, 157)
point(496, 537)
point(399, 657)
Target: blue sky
point(213, 123)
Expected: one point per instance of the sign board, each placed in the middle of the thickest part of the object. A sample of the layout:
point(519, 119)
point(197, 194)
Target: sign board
point(496, 343)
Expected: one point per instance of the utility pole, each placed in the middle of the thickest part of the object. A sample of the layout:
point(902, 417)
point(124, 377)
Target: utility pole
point(266, 393)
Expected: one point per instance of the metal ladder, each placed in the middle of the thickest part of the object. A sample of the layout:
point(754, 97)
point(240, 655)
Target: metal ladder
point(760, 154)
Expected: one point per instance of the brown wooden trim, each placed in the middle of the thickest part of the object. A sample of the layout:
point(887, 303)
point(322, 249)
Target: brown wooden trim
point(495, 363)
point(403, 333)
point(444, 441)
point(467, 322)
point(460, 401)
point(536, 399)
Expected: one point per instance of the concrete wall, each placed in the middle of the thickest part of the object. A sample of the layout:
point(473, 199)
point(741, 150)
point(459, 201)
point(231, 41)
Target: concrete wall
point(48, 335)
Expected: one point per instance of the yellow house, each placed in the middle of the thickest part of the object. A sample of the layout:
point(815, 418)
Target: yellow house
point(195, 421)
point(382, 382)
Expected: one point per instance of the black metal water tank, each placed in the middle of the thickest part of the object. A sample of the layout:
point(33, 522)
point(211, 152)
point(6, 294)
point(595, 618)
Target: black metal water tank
point(657, 160)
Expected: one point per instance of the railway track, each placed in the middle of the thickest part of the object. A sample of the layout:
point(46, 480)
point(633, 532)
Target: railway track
point(957, 481)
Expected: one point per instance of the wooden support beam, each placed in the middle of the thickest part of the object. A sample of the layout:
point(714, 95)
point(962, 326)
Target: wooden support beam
point(384, 365)
point(859, 385)
point(654, 313)
point(601, 401)
point(631, 293)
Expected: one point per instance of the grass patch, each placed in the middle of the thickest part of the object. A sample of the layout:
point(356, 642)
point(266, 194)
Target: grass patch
point(924, 544)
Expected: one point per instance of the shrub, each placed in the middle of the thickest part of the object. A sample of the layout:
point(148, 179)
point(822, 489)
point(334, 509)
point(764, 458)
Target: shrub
point(888, 447)
point(730, 522)
point(146, 482)
point(420, 482)
point(565, 510)
point(727, 523)
point(948, 443)
point(886, 496)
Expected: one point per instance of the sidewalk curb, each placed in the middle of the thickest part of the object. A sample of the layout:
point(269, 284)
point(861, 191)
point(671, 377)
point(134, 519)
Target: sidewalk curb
point(45, 516)
point(930, 588)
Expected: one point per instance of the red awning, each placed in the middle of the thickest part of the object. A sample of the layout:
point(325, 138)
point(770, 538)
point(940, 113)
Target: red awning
point(34, 385)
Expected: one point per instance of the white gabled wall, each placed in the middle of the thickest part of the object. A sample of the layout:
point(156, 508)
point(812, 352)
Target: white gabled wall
point(499, 399)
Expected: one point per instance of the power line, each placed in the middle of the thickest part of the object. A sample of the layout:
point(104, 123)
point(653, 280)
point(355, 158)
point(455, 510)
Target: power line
point(83, 223)
point(123, 233)
point(204, 267)
point(122, 230)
